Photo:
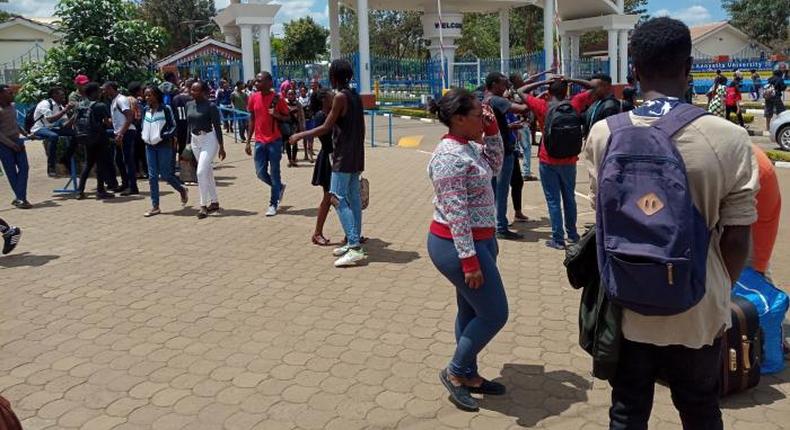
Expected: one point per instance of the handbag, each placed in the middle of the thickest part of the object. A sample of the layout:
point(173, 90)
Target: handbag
point(364, 192)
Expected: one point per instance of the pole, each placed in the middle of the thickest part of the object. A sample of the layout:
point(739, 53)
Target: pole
point(441, 44)
point(479, 76)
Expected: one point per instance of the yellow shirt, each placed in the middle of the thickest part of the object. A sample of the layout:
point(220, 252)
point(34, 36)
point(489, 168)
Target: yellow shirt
point(723, 178)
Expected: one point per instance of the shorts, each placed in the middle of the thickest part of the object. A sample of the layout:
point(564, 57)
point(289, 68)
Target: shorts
point(774, 106)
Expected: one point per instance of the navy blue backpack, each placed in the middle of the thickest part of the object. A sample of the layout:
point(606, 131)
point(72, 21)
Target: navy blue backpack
point(652, 241)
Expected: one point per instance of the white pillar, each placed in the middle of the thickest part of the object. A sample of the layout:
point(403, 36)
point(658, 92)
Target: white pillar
point(565, 48)
point(574, 54)
point(247, 53)
point(623, 56)
point(265, 46)
point(504, 40)
point(334, 30)
point(548, 32)
point(613, 55)
point(621, 6)
point(364, 47)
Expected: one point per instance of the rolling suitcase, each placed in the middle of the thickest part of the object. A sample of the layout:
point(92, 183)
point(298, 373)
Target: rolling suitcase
point(741, 349)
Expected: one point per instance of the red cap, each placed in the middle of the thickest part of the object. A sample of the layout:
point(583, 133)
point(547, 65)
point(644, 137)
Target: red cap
point(81, 80)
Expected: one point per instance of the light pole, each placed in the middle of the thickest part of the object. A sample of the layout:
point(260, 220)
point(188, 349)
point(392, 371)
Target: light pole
point(191, 23)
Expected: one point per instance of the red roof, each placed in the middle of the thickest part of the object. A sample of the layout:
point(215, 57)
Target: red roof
point(700, 31)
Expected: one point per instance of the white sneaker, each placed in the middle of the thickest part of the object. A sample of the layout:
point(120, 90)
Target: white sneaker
point(337, 252)
point(351, 258)
point(272, 211)
point(282, 194)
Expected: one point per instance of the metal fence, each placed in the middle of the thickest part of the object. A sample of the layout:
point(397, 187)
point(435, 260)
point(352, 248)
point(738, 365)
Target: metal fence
point(9, 71)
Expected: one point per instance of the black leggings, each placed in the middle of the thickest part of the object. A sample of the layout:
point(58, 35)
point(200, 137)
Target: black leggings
point(292, 150)
point(94, 156)
point(516, 184)
point(734, 109)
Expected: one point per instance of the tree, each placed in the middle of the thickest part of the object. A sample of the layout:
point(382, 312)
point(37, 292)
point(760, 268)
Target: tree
point(479, 36)
point(303, 39)
point(764, 20)
point(104, 39)
point(185, 21)
point(394, 34)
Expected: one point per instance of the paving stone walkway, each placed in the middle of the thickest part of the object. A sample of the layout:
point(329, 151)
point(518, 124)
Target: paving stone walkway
point(109, 320)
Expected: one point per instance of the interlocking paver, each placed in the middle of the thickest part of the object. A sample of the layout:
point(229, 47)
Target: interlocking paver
point(113, 320)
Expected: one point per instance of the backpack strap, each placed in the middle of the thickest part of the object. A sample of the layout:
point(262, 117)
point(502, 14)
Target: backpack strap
point(679, 117)
point(618, 122)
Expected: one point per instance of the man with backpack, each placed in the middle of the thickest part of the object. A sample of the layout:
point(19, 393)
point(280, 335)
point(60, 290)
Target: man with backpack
point(47, 122)
point(126, 135)
point(772, 92)
point(674, 192)
point(12, 149)
point(90, 131)
point(563, 128)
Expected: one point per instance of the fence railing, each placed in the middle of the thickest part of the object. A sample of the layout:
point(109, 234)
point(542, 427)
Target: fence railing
point(9, 71)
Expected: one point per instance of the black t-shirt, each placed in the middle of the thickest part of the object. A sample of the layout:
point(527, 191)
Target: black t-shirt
point(349, 137)
point(326, 139)
point(501, 107)
point(179, 106)
point(100, 113)
point(778, 84)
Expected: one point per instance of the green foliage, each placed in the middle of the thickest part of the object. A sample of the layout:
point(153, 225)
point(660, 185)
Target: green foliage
point(104, 39)
point(764, 20)
point(348, 30)
point(184, 21)
point(304, 40)
point(394, 34)
point(4, 16)
point(479, 36)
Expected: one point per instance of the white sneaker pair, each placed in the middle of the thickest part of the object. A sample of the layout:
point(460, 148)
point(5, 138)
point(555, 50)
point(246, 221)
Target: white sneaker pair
point(349, 256)
point(272, 211)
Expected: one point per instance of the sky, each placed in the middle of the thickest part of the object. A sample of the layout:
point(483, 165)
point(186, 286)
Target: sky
point(691, 12)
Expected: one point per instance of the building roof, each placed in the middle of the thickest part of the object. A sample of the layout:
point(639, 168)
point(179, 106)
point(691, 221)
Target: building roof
point(30, 23)
point(699, 32)
point(205, 46)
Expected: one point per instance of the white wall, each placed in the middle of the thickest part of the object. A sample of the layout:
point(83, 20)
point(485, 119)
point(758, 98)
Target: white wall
point(725, 42)
point(18, 39)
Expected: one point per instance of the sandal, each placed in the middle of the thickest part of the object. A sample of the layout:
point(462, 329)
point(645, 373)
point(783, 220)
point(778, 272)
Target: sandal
point(184, 197)
point(320, 240)
point(152, 212)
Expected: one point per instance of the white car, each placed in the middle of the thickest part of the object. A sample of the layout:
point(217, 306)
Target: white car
point(780, 130)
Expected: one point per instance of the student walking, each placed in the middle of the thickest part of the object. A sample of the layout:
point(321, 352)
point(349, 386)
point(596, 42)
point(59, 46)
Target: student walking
point(159, 128)
point(683, 349)
point(126, 135)
point(461, 241)
point(12, 149)
point(348, 160)
point(266, 108)
point(90, 129)
point(205, 132)
point(732, 102)
point(717, 95)
point(322, 171)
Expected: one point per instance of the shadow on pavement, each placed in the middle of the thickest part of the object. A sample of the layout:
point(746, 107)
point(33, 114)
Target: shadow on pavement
point(47, 204)
point(306, 212)
point(26, 259)
point(761, 395)
point(378, 252)
point(534, 394)
point(528, 230)
point(224, 181)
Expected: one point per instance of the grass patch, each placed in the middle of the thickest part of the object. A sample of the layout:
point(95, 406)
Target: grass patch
point(412, 112)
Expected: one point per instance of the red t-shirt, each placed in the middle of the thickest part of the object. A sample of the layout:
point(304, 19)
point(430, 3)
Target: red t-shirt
point(540, 107)
point(266, 129)
point(733, 97)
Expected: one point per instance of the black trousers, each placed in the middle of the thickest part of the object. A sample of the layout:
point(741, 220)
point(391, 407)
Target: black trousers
point(94, 156)
point(292, 150)
point(692, 375)
point(516, 184)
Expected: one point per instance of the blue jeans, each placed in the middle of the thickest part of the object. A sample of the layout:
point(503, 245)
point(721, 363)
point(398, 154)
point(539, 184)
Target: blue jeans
point(481, 312)
point(51, 136)
point(559, 182)
point(501, 184)
point(525, 142)
point(267, 167)
point(16, 169)
point(345, 188)
point(130, 160)
point(160, 162)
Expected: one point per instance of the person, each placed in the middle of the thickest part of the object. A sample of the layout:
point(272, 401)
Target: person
point(126, 135)
point(461, 241)
point(732, 102)
point(689, 96)
point(159, 127)
point(305, 101)
point(78, 95)
point(523, 135)
point(205, 132)
point(496, 85)
point(769, 210)
point(50, 116)
point(266, 109)
point(516, 179)
point(757, 83)
point(12, 149)
point(684, 350)
point(239, 100)
point(169, 87)
point(558, 175)
point(294, 124)
point(92, 135)
point(629, 99)
point(717, 96)
point(348, 160)
point(322, 171)
point(773, 97)
point(11, 236)
point(179, 107)
point(223, 96)
point(137, 105)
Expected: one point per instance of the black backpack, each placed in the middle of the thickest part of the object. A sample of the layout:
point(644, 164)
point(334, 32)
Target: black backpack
point(30, 116)
point(85, 123)
point(563, 132)
point(602, 109)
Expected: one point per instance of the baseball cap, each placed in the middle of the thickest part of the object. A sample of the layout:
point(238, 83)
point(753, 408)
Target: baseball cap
point(81, 80)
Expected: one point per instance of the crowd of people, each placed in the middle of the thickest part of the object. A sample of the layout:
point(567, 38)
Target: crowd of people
point(727, 224)
point(725, 96)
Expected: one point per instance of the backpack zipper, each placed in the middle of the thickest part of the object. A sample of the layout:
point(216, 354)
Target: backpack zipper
point(670, 276)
